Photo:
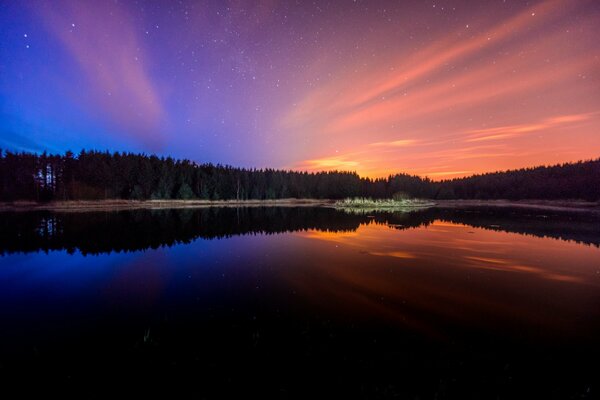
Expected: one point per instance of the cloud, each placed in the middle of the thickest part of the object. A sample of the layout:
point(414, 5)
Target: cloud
point(390, 92)
point(448, 173)
point(505, 132)
point(327, 164)
point(101, 39)
point(395, 143)
point(15, 141)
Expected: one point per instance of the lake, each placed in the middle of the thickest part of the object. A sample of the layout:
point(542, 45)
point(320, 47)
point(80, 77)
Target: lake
point(304, 301)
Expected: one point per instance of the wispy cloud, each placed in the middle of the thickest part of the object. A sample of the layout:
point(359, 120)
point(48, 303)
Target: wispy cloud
point(395, 143)
point(328, 164)
point(505, 132)
point(103, 42)
point(448, 173)
point(391, 92)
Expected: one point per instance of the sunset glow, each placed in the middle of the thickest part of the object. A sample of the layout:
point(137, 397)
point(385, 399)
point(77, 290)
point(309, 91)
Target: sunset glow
point(439, 89)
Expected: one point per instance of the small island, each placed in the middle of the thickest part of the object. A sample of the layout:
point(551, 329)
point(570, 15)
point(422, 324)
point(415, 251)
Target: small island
point(397, 203)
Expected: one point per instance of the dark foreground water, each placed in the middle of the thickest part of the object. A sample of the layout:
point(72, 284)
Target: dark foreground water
point(302, 302)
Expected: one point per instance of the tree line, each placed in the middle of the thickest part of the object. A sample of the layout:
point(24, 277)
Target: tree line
point(95, 175)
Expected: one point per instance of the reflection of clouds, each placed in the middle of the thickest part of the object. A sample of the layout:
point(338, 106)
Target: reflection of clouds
point(329, 235)
point(419, 277)
point(455, 244)
point(396, 254)
point(509, 266)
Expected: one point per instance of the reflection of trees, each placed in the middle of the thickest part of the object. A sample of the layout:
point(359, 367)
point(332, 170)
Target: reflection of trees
point(100, 232)
point(583, 227)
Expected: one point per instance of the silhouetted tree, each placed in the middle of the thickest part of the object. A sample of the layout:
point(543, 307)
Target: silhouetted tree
point(102, 175)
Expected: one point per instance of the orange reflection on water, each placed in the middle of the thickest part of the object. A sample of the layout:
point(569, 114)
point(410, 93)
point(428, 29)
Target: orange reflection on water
point(431, 276)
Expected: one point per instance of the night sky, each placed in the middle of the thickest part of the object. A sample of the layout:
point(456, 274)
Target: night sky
point(437, 88)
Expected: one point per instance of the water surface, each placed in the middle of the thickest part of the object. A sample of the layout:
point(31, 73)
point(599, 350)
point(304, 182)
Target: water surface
point(293, 302)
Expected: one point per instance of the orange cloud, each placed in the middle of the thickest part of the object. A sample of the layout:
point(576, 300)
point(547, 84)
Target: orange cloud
point(396, 143)
point(504, 132)
point(444, 51)
point(328, 164)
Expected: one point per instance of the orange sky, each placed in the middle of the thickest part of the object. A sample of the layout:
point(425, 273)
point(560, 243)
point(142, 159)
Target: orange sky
point(488, 92)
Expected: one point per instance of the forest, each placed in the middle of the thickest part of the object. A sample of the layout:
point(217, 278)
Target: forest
point(96, 175)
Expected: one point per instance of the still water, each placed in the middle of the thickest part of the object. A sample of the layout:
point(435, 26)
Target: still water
point(300, 302)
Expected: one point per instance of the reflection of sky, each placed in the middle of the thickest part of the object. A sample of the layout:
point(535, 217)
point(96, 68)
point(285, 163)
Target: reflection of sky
point(418, 277)
point(445, 242)
point(453, 271)
point(443, 89)
point(146, 272)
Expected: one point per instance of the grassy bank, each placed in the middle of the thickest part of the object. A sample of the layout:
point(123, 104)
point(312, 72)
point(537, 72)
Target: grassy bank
point(367, 204)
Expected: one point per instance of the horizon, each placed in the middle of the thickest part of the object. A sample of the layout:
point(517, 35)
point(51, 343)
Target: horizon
point(391, 174)
point(442, 89)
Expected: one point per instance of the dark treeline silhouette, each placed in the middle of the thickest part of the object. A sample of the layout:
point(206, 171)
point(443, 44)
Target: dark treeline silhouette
point(105, 232)
point(94, 175)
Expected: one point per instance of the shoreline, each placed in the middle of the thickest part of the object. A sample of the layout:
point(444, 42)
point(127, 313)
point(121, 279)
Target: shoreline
point(547, 205)
point(118, 205)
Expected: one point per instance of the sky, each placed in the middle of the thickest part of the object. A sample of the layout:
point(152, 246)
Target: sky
point(434, 88)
